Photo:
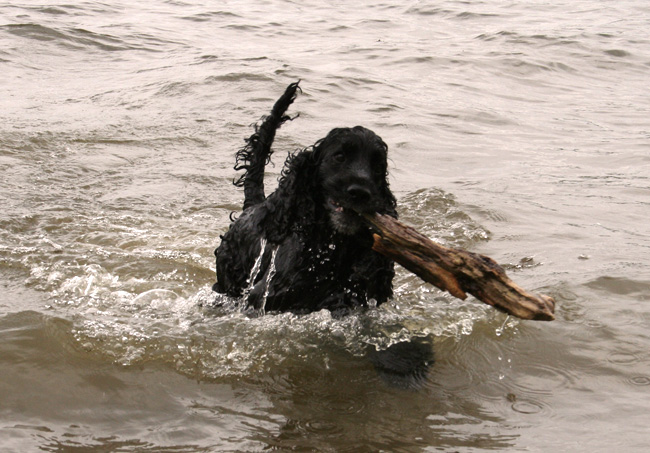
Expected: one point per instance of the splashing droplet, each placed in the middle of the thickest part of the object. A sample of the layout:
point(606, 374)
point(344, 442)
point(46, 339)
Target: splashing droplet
point(500, 330)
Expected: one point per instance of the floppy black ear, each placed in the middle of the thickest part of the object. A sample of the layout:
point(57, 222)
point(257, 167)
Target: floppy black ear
point(389, 206)
point(298, 181)
point(294, 202)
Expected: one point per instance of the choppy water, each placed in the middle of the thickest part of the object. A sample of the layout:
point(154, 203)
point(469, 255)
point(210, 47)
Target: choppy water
point(518, 130)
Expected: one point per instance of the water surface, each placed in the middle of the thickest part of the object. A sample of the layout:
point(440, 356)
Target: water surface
point(517, 130)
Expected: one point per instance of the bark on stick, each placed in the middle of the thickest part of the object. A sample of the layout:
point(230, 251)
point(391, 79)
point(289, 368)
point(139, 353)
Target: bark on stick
point(457, 271)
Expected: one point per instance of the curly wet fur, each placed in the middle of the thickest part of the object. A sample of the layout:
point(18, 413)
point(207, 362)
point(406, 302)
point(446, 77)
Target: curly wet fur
point(317, 251)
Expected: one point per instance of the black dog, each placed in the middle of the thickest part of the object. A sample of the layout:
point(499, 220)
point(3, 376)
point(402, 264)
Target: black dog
point(305, 247)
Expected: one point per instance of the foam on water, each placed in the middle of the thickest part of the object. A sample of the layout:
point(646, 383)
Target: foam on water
point(134, 317)
point(134, 280)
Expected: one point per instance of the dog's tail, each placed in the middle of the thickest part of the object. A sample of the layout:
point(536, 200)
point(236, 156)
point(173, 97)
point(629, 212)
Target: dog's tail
point(257, 152)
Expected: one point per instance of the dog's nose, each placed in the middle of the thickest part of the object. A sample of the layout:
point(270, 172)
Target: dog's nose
point(359, 193)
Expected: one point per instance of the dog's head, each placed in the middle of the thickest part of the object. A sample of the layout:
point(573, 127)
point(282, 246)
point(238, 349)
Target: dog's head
point(352, 173)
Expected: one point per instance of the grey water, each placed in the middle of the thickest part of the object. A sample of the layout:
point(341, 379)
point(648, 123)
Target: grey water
point(520, 130)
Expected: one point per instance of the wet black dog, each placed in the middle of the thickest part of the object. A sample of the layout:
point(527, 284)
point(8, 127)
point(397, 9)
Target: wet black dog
point(305, 246)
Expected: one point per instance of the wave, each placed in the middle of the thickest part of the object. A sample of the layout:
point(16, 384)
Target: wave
point(72, 37)
point(82, 39)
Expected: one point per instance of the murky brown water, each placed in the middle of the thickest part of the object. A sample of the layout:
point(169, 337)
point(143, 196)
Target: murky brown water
point(517, 130)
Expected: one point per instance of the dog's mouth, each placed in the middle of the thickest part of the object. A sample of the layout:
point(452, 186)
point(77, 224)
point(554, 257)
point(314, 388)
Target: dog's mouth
point(335, 206)
point(347, 208)
point(344, 219)
point(342, 208)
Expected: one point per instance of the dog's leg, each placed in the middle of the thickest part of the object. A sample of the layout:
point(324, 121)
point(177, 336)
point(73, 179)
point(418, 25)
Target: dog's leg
point(257, 152)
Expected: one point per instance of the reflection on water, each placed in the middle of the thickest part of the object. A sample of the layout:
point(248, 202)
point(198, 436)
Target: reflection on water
point(310, 396)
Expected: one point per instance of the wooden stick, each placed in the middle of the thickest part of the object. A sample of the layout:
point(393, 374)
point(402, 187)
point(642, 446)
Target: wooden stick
point(457, 271)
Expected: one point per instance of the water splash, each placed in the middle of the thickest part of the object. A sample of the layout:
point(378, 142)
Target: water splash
point(499, 330)
point(131, 328)
point(269, 277)
point(254, 271)
point(252, 279)
point(132, 318)
point(439, 216)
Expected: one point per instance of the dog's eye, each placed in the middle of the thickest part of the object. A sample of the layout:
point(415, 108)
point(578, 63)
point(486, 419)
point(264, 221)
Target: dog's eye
point(339, 157)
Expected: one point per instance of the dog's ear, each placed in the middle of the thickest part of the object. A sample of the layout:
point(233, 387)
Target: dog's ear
point(390, 203)
point(298, 175)
point(294, 202)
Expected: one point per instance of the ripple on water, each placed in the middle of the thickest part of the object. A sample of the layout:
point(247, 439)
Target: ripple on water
point(528, 407)
point(322, 427)
point(640, 380)
point(621, 286)
point(74, 38)
point(470, 363)
point(622, 358)
point(541, 379)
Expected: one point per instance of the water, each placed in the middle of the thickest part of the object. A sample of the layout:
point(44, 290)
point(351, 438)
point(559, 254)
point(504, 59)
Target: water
point(517, 130)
